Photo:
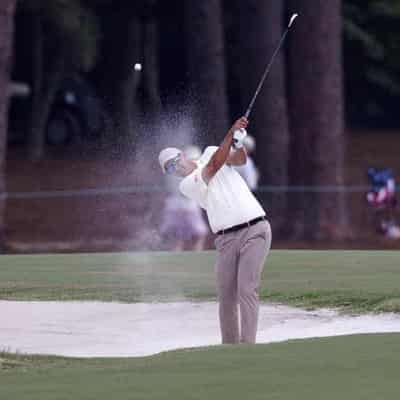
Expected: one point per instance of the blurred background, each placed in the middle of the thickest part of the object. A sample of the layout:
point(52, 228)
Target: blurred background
point(91, 90)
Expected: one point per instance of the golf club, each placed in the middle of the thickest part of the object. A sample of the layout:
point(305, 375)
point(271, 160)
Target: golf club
point(268, 67)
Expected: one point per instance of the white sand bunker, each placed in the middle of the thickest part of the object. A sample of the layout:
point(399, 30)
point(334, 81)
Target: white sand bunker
point(93, 329)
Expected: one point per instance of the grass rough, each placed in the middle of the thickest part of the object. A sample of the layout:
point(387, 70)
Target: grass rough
point(348, 367)
point(352, 281)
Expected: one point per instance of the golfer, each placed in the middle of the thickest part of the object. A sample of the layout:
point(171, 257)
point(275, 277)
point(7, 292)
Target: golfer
point(243, 234)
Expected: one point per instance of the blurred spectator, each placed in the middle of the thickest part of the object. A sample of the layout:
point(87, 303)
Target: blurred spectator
point(183, 225)
point(382, 197)
point(249, 171)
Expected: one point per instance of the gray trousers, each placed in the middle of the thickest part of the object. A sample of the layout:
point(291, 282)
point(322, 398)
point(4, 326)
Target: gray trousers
point(240, 260)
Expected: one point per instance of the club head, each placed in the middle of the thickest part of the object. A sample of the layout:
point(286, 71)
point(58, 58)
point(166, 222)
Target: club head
point(294, 16)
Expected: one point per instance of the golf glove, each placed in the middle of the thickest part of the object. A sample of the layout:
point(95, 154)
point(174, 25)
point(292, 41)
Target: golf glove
point(238, 137)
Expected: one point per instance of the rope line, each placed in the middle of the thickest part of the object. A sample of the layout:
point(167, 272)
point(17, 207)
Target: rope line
point(138, 189)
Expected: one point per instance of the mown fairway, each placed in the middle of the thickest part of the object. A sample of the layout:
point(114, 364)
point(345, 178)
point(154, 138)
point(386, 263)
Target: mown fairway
point(352, 280)
point(354, 368)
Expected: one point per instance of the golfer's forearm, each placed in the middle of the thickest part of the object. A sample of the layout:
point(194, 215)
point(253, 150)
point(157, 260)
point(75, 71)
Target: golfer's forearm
point(221, 155)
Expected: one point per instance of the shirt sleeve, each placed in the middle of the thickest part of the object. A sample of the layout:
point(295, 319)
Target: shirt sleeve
point(200, 179)
point(203, 161)
point(206, 156)
point(194, 187)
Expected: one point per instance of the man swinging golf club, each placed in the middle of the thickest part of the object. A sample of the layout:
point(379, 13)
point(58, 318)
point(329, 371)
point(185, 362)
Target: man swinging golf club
point(243, 233)
point(234, 214)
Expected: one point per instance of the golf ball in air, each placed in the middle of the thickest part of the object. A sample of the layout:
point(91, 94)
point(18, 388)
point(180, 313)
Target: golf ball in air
point(138, 67)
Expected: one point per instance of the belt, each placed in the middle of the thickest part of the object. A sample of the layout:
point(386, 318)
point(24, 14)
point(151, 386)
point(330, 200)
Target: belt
point(241, 226)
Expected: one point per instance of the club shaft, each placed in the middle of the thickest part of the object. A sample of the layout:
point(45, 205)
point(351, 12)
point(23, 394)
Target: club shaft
point(266, 72)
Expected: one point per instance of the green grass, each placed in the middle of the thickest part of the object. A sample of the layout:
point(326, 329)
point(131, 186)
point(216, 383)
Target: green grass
point(355, 367)
point(351, 280)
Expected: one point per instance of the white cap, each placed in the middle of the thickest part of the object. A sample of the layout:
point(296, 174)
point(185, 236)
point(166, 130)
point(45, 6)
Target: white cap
point(192, 152)
point(249, 143)
point(167, 154)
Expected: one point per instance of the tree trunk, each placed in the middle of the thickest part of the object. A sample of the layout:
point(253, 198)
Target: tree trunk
point(317, 118)
point(151, 85)
point(118, 80)
point(255, 30)
point(43, 98)
point(206, 69)
point(7, 10)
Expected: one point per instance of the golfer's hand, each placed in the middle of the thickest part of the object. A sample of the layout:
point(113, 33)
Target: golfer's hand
point(239, 132)
point(238, 138)
point(241, 123)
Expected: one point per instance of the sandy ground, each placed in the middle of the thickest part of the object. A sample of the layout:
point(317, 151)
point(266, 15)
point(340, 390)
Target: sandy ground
point(93, 329)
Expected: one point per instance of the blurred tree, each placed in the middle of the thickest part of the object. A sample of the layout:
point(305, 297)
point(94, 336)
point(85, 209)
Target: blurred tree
point(206, 68)
point(130, 37)
point(316, 111)
point(120, 51)
point(64, 35)
point(372, 62)
point(7, 10)
point(172, 60)
point(254, 30)
point(151, 86)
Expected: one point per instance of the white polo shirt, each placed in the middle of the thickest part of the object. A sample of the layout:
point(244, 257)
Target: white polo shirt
point(227, 199)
